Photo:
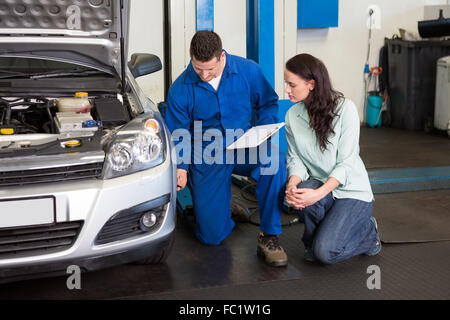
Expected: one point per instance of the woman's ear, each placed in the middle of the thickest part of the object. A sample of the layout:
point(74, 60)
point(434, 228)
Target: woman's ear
point(311, 84)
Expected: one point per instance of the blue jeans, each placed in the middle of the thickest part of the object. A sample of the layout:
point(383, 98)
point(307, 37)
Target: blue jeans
point(337, 229)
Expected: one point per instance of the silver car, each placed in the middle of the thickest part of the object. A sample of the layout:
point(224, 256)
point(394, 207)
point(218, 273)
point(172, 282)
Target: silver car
point(86, 172)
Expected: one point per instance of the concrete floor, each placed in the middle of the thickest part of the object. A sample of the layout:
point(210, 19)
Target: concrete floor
point(233, 271)
point(386, 148)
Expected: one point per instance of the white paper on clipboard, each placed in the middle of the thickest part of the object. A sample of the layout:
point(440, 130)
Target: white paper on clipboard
point(255, 136)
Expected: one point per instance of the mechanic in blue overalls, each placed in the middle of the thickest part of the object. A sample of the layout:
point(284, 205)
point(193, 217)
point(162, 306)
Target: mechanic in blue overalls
point(219, 91)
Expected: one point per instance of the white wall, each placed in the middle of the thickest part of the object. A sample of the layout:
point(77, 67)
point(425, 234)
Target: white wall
point(146, 36)
point(285, 31)
point(230, 23)
point(183, 29)
point(344, 49)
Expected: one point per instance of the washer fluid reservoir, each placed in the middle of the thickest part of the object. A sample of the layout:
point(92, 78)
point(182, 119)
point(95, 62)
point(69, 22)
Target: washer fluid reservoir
point(79, 103)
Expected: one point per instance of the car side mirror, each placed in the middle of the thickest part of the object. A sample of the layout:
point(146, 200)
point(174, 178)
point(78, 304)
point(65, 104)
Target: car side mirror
point(142, 64)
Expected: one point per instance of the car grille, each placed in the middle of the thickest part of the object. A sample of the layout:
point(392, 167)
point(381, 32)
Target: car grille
point(25, 177)
point(126, 224)
point(33, 241)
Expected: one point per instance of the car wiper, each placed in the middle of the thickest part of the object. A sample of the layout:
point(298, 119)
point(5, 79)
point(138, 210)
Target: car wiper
point(10, 74)
point(4, 74)
point(55, 74)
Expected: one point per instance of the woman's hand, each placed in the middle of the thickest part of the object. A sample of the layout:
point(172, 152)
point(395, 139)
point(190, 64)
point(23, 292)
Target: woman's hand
point(302, 198)
point(307, 197)
point(291, 198)
point(291, 192)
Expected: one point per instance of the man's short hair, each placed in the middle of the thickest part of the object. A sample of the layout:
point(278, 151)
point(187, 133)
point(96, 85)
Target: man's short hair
point(206, 45)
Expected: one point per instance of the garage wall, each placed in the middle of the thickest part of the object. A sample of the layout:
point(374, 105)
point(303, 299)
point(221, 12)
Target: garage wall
point(230, 18)
point(285, 31)
point(183, 29)
point(146, 36)
point(344, 49)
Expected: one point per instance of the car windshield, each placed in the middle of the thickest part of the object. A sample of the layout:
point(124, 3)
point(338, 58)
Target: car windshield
point(12, 67)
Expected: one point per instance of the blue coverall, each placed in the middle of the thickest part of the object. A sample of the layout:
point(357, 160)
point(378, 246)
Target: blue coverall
point(243, 93)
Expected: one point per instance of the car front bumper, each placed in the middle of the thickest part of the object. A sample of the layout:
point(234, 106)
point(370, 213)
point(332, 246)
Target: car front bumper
point(94, 202)
point(60, 268)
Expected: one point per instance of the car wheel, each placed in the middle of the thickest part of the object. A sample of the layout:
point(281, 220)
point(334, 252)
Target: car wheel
point(159, 257)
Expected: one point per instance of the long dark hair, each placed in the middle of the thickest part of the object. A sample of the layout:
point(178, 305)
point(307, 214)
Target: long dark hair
point(322, 102)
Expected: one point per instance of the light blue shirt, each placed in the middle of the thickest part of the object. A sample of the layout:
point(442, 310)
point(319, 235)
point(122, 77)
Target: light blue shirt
point(340, 160)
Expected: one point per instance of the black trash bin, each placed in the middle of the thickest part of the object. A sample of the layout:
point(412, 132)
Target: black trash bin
point(412, 81)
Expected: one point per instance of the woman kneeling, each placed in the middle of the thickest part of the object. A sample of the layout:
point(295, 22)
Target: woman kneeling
point(328, 184)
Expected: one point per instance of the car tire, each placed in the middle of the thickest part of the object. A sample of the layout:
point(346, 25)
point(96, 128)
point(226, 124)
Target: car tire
point(159, 257)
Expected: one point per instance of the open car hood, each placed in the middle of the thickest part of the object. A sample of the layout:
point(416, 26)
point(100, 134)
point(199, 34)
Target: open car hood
point(86, 32)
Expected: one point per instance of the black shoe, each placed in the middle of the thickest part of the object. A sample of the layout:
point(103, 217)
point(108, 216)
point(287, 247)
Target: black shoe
point(377, 248)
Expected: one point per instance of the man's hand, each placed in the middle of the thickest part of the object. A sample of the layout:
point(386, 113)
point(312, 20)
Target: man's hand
point(181, 179)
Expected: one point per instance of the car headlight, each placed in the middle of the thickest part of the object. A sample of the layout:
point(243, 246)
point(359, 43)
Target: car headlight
point(138, 146)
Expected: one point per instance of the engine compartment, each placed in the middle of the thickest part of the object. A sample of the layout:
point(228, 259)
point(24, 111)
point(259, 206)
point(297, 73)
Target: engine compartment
point(44, 115)
point(24, 115)
point(29, 124)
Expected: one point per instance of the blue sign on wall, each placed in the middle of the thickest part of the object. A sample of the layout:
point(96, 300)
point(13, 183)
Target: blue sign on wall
point(317, 13)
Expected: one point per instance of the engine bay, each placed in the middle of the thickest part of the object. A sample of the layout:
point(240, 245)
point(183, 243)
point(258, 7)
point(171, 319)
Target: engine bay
point(28, 122)
point(60, 115)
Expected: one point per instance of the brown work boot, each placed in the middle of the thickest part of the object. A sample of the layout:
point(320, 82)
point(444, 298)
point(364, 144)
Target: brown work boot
point(270, 249)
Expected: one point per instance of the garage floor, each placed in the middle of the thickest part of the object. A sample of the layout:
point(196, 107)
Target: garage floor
point(385, 148)
point(233, 271)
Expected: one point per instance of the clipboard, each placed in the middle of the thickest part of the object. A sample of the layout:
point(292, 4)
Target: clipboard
point(254, 136)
